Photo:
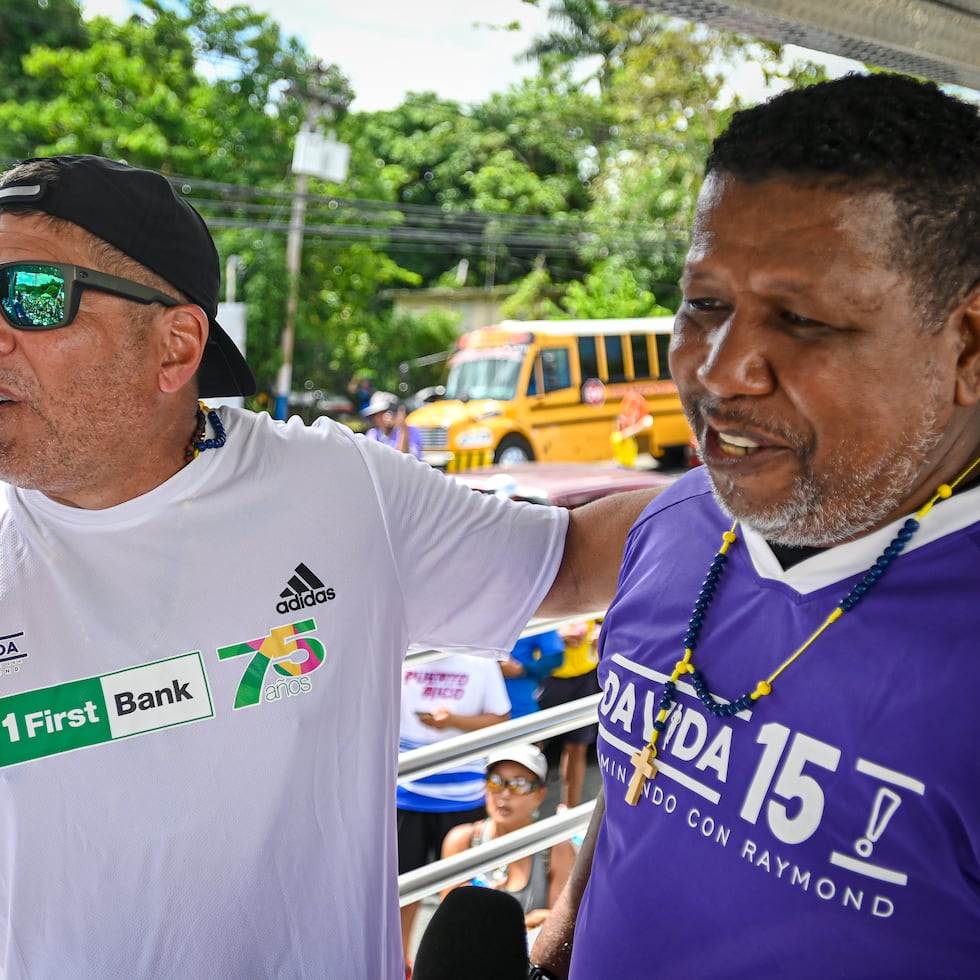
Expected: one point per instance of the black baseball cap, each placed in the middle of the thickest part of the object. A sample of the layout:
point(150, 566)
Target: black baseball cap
point(140, 213)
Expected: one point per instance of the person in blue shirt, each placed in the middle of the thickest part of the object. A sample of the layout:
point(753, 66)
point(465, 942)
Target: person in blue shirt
point(530, 662)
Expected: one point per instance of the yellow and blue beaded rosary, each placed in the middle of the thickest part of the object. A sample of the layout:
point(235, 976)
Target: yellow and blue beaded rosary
point(198, 443)
point(643, 764)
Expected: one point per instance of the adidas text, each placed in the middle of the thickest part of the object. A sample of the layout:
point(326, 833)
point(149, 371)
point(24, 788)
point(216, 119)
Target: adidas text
point(306, 599)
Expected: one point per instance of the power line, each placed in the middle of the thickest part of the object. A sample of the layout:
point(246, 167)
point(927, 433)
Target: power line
point(350, 220)
point(402, 227)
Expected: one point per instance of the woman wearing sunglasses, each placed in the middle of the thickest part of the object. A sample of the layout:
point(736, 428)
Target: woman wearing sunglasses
point(516, 787)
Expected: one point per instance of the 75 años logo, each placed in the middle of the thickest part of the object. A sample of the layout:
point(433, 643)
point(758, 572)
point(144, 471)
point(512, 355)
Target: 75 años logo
point(290, 653)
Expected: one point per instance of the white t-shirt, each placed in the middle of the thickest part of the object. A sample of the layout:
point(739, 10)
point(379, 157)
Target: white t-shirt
point(462, 685)
point(199, 699)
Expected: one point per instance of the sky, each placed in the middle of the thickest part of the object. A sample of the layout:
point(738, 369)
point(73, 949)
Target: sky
point(388, 48)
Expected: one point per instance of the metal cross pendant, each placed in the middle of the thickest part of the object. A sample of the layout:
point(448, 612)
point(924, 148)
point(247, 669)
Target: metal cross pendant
point(643, 769)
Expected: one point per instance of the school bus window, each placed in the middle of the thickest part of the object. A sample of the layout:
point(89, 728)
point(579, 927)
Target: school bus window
point(641, 355)
point(533, 382)
point(615, 365)
point(557, 372)
point(663, 345)
point(484, 373)
point(588, 358)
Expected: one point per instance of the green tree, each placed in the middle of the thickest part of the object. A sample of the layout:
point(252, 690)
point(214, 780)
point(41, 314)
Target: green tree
point(215, 98)
point(26, 24)
point(404, 337)
point(610, 290)
point(588, 30)
point(503, 175)
point(578, 192)
point(136, 91)
point(534, 298)
point(662, 85)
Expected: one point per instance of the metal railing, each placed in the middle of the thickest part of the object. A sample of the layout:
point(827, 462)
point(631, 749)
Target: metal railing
point(416, 763)
point(535, 727)
point(533, 628)
point(416, 885)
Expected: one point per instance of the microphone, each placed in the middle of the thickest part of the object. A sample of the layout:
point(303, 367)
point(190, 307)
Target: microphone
point(475, 933)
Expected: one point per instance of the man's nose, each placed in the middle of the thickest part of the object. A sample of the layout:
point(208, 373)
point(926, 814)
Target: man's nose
point(735, 362)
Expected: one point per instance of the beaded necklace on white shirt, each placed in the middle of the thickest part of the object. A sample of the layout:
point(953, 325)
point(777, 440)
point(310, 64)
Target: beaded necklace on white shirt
point(198, 444)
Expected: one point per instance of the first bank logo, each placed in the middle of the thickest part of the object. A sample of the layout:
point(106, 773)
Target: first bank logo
point(292, 653)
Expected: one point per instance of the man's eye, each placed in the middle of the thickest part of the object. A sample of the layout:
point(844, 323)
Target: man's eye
point(703, 304)
point(801, 321)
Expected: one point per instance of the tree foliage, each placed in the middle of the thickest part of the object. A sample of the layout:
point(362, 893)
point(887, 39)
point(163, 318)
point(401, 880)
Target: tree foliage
point(592, 31)
point(27, 24)
point(575, 186)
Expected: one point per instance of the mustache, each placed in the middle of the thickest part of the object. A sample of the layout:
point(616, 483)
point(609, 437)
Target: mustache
point(705, 412)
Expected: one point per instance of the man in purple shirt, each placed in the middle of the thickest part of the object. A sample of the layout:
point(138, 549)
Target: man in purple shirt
point(790, 775)
point(387, 416)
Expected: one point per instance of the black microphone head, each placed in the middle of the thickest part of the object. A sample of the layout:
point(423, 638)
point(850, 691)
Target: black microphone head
point(475, 934)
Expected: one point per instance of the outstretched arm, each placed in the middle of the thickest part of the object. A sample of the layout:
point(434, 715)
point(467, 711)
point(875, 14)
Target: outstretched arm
point(586, 580)
point(553, 946)
point(443, 718)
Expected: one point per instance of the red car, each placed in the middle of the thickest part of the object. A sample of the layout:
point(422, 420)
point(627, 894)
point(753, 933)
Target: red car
point(563, 484)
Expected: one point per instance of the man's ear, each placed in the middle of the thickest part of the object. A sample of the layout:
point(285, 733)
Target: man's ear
point(185, 335)
point(968, 364)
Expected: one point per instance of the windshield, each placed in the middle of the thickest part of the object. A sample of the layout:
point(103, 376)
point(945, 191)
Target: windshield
point(484, 374)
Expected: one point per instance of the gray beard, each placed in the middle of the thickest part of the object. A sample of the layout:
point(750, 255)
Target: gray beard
point(816, 516)
point(844, 502)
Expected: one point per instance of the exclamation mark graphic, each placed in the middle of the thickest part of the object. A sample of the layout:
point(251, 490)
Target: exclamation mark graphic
point(886, 803)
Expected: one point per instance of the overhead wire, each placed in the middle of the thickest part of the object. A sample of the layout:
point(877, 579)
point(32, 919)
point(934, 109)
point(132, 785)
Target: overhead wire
point(350, 220)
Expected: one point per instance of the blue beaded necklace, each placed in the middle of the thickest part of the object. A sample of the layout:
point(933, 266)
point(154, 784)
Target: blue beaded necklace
point(198, 443)
point(643, 764)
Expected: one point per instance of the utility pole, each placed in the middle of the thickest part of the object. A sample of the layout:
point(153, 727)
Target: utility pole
point(294, 255)
point(313, 156)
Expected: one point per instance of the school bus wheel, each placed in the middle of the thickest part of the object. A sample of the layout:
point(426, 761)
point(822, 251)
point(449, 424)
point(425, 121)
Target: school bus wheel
point(513, 449)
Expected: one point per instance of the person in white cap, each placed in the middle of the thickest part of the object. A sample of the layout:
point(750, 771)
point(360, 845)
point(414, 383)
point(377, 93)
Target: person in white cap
point(387, 416)
point(517, 778)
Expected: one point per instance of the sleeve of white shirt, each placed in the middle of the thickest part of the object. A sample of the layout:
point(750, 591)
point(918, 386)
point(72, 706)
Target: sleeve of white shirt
point(473, 568)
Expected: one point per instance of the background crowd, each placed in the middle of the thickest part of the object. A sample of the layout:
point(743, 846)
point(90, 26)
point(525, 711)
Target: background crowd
point(458, 808)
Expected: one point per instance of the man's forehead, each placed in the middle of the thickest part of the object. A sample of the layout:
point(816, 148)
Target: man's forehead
point(722, 191)
point(712, 190)
point(40, 236)
point(792, 214)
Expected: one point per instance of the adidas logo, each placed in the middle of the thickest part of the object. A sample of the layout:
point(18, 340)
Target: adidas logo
point(303, 590)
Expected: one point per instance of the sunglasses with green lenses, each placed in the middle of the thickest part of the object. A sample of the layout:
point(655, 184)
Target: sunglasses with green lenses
point(45, 295)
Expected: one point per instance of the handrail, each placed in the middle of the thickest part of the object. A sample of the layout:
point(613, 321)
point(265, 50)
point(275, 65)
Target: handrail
point(417, 884)
point(533, 628)
point(535, 727)
point(416, 763)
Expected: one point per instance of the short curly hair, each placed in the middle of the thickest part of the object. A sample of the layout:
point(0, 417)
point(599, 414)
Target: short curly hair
point(878, 132)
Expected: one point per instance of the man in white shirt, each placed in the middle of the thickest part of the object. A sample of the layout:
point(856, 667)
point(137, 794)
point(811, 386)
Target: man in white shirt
point(203, 614)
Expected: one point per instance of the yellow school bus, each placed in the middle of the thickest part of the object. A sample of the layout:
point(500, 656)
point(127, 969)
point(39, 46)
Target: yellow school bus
point(553, 390)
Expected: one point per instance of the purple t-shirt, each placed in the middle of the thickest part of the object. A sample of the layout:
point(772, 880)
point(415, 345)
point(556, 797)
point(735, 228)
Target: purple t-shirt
point(391, 438)
point(831, 831)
